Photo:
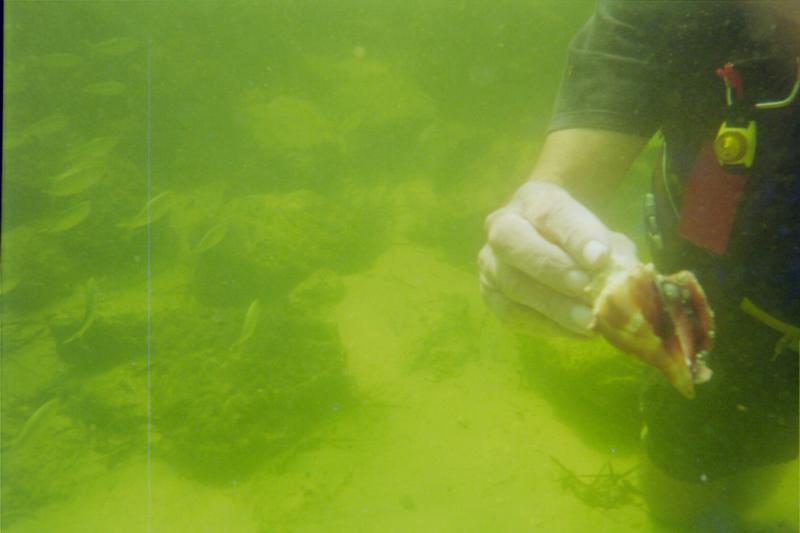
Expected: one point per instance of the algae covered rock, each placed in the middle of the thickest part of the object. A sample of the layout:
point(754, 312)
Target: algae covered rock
point(273, 241)
point(376, 93)
point(317, 293)
point(229, 386)
point(380, 108)
point(49, 458)
point(36, 268)
point(288, 123)
point(297, 144)
point(226, 402)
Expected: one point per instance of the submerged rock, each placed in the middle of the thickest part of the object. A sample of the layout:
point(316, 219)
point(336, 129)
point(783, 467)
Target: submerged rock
point(222, 410)
point(274, 241)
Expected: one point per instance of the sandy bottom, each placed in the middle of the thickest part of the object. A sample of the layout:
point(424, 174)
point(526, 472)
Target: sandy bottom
point(463, 452)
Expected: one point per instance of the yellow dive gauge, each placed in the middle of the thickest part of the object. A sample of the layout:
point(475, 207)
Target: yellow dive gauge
point(736, 145)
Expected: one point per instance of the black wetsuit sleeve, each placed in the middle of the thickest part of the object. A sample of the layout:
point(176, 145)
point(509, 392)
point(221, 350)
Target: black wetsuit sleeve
point(615, 77)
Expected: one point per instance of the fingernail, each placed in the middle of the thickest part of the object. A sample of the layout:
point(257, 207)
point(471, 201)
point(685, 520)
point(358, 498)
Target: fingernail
point(593, 251)
point(581, 316)
point(576, 280)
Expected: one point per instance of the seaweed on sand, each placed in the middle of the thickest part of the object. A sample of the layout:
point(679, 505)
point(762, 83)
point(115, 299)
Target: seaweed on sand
point(445, 347)
point(607, 488)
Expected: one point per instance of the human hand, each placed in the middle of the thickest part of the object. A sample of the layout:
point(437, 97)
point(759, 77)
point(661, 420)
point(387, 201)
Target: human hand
point(543, 250)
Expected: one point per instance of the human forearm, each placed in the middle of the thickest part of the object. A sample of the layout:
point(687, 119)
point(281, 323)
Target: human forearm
point(589, 163)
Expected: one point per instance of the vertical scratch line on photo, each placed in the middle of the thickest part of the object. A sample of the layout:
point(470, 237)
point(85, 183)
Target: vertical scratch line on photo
point(149, 164)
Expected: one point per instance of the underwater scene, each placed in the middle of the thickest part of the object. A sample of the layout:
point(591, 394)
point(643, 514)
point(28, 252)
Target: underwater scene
point(239, 281)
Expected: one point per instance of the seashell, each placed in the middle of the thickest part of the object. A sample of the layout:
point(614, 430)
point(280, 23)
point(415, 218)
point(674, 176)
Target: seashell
point(665, 321)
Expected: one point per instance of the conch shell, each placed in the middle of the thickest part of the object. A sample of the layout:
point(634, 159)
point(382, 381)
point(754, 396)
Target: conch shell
point(665, 321)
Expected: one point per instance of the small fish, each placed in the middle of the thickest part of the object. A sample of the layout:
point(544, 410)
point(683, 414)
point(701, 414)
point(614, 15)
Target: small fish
point(69, 218)
point(14, 74)
point(250, 323)
point(95, 148)
point(13, 141)
point(8, 282)
point(106, 88)
point(61, 60)
point(13, 85)
point(118, 46)
point(212, 238)
point(157, 207)
point(15, 69)
point(31, 424)
point(47, 126)
point(89, 313)
point(78, 178)
point(352, 122)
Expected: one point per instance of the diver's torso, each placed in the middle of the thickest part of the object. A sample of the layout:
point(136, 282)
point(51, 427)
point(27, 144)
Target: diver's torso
point(761, 258)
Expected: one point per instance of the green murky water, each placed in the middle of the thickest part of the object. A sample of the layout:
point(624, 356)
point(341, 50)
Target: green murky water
point(238, 282)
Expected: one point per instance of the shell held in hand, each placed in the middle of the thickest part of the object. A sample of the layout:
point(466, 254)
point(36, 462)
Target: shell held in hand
point(665, 321)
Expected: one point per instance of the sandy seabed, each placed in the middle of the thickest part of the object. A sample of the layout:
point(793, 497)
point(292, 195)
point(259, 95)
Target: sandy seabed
point(468, 452)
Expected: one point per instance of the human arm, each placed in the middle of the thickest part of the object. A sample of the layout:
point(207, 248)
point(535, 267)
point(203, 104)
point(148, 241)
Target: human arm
point(588, 163)
point(545, 246)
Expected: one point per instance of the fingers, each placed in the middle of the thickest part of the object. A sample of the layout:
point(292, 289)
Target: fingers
point(516, 243)
point(624, 250)
point(519, 299)
point(519, 318)
point(543, 250)
point(565, 222)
